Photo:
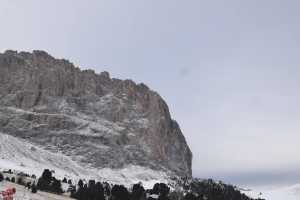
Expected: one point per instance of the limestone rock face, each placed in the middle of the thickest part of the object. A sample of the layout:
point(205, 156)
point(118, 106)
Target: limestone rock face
point(94, 119)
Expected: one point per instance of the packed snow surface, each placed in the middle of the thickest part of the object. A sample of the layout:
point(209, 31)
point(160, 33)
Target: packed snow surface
point(290, 192)
point(23, 194)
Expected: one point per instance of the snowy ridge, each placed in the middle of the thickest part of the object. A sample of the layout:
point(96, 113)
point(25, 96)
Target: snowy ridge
point(18, 154)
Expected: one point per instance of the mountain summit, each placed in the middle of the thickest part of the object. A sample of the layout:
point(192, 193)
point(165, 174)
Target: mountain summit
point(94, 120)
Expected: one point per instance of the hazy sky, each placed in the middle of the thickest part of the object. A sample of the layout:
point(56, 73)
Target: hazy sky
point(229, 70)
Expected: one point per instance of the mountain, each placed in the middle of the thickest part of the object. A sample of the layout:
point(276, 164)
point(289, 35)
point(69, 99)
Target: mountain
point(93, 121)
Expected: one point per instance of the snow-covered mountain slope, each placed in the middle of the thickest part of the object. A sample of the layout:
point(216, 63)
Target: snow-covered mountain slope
point(18, 154)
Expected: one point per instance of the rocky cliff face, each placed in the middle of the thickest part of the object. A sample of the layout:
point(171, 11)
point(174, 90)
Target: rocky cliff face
point(96, 120)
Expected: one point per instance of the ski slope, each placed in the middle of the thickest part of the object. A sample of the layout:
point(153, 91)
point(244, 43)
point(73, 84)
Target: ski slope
point(291, 192)
point(23, 194)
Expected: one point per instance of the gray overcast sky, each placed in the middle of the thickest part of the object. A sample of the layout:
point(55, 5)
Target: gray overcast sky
point(229, 70)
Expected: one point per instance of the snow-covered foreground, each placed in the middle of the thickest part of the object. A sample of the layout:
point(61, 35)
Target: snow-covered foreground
point(18, 154)
point(24, 194)
point(276, 192)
